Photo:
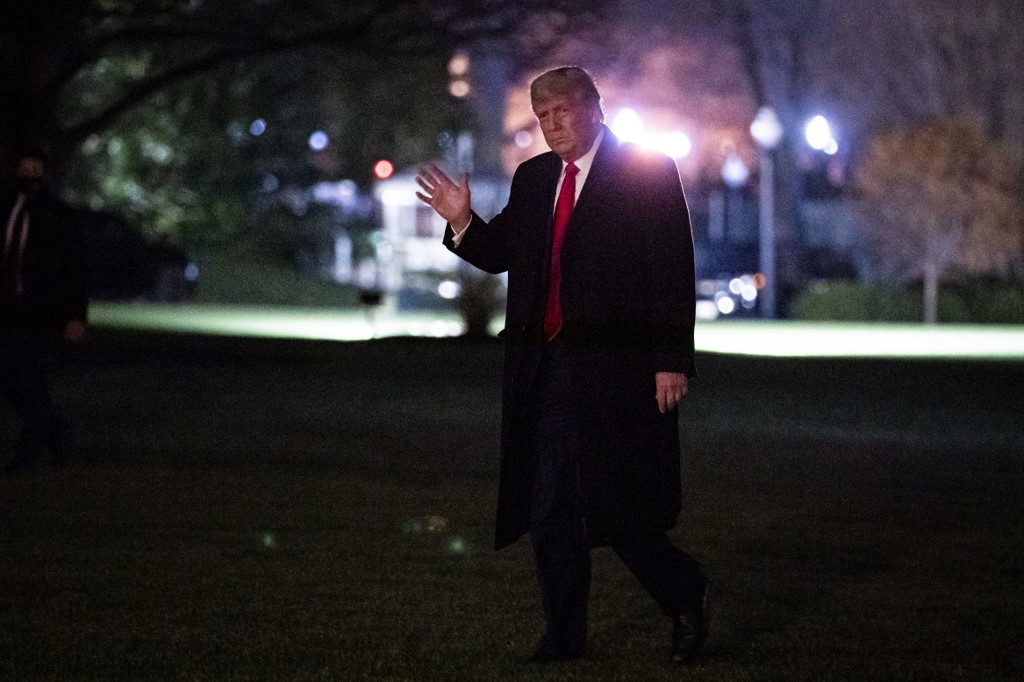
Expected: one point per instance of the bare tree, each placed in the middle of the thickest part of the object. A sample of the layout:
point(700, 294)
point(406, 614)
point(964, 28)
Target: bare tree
point(939, 201)
point(897, 61)
point(780, 43)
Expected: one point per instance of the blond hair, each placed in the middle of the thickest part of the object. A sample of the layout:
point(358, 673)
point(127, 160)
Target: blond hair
point(567, 80)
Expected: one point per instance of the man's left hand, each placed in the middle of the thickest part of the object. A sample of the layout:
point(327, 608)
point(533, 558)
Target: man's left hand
point(671, 387)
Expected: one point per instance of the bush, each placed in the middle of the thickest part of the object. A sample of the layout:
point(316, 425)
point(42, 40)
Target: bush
point(970, 303)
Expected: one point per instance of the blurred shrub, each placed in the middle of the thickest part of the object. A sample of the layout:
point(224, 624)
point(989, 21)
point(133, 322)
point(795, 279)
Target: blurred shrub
point(971, 303)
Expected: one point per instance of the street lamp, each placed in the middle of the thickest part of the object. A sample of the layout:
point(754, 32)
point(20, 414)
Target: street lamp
point(819, 135)
point(767, 132)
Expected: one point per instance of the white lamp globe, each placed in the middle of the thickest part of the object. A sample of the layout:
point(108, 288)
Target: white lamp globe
point(766, 129)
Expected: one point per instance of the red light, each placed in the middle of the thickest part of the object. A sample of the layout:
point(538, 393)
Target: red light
point(383, 169)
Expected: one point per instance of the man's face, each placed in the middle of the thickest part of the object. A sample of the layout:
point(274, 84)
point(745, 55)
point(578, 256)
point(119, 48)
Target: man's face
point(569, 125)
point(31, 173)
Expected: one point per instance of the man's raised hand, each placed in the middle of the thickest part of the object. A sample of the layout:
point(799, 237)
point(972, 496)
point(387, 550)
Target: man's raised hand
point(449, 199)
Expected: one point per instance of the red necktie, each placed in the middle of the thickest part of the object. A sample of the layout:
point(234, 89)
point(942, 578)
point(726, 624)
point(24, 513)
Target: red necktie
point(563, 211)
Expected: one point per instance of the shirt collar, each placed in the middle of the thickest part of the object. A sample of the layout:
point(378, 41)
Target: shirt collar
point(587, 160)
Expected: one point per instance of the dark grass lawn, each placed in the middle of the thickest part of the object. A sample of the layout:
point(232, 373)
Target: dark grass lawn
point(250, 510)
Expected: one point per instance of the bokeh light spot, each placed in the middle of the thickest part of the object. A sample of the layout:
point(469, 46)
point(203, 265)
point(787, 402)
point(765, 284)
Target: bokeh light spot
point(318, 141)
point(383, 169)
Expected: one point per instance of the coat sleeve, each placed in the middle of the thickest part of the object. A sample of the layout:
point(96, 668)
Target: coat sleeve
point(671, 301)
point(486, 244)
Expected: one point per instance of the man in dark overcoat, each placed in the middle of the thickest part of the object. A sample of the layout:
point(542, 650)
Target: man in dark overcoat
point(597, 244)
point(43, 301)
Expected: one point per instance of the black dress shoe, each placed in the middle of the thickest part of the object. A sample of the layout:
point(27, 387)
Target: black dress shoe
point(690, 629)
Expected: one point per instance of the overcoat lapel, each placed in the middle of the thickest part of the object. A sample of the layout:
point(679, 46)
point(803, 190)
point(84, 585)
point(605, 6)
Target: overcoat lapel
point(583, 214)
point(549, 181)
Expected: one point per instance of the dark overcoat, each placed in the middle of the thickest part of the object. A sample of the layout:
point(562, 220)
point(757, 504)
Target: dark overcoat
point(53, 269)
point(628, 312)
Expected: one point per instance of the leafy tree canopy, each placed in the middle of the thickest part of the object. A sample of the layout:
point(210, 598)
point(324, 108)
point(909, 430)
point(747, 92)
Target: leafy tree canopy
point(147, 106)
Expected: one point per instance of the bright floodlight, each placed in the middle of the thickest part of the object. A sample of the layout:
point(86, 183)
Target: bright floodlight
point(831, 148)
point(677, 145)
point(818, 133)
point(735, 172)
point(318, 141)
point(627, 126)
point(766, 129)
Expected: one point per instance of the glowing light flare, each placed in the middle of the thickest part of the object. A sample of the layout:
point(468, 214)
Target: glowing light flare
point(819, 134)
point(677, 145)
point(627, 126)
point(318, 141)
point(383, 169)
point(257, 127)
point(735, 172)
point(766, 128)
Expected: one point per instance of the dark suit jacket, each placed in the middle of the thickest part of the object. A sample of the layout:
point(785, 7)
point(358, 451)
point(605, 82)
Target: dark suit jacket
point(628, 312)
point(52, 268)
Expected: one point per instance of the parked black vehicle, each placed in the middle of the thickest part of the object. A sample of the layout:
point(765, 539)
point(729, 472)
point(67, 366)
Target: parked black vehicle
point(124, 265)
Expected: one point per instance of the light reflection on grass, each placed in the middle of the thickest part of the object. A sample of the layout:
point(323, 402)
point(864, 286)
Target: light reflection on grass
point(780, 339)
point(275, 322)
point(844, 339)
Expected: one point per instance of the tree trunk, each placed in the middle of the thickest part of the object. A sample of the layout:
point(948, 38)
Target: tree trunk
point(931, 293)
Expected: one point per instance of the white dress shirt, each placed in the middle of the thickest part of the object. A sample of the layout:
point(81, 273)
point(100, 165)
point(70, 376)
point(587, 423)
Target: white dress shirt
point(583, 163)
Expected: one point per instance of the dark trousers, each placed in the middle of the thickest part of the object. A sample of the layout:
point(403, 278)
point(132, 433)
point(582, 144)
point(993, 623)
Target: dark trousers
point(672, 577)
point(26, 361)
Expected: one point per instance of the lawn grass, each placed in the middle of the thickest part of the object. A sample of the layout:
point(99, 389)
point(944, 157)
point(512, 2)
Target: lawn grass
point(268, 510)
point(243, 276)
